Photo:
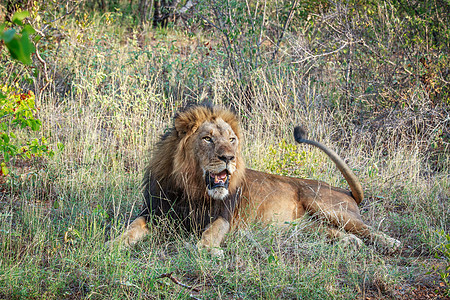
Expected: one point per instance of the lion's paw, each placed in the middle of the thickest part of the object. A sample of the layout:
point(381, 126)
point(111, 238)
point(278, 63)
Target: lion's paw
point(110, 245)
point(391, 245)
point(352, 241)
point(215, 252)
point(119, 243)
point(385, 243)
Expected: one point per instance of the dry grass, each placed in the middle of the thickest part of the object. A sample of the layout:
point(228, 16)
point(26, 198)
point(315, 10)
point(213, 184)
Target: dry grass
point(114, 93)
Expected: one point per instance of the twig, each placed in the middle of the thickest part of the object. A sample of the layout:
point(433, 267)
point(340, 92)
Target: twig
point(229, 46)
point(208, 21)
point(323, 54)
point(260, 39)
point(64, 15)
point(42, 33)
point(291, 13)
point(47, 81)
point(176, 281)
point(44, 64)
point(394, 176)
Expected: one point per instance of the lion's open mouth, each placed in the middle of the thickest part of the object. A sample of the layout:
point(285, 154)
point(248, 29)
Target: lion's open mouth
point(216, 180)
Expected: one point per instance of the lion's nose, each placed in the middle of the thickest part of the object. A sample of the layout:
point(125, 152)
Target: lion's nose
point(226, 158)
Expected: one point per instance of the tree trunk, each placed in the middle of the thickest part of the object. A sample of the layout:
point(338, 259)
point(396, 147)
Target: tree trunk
point(157, 14)
point(144, 11)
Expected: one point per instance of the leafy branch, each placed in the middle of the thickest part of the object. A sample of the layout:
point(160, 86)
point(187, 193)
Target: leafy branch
point(18, 109)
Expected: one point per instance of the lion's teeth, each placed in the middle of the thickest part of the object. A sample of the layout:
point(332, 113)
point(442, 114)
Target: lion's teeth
point(217, 179)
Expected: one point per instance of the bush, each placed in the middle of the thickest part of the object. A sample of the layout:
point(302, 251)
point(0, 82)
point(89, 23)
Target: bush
point(17, 110)
point(445, 250)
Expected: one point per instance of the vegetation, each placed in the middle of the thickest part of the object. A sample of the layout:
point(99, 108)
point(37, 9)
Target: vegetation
point(17, 109)
point(368, 78)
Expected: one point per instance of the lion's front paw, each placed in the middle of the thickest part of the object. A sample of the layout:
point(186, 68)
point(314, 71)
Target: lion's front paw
point(386, 244)
point(391, 245)
point(352, 241)
point(120, 243)
point(112, 244)
point(215, 252)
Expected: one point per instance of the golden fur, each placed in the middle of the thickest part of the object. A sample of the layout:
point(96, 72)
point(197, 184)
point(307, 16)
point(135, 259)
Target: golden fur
point(197, 176)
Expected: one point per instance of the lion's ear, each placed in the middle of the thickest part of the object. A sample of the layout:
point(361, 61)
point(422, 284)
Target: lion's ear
point(184, 125)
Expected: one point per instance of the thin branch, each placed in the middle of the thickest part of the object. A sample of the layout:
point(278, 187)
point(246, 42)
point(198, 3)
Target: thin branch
point(38, 56)
point(42, 33)
point(323, 54)
point(60, 17)
point(259, 41)
point(42, 30)
point(229, 46)
point(176, 281)
point(44, 64)
point(286, 24)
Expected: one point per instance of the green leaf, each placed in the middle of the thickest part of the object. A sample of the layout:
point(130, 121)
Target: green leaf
point(272, 258)
point(18, 17)
point(60, 147)
point(28, 48)
point(21, 48)
point(6, 156)
point(35, 125)
point(5, 169)
point(28, 29)
point(5, 138)
point(8, 35)
point(56, 204)
point(50, 153)
point(16, 50)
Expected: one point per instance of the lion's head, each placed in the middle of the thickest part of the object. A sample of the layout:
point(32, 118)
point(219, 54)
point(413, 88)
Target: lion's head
point(201, 154)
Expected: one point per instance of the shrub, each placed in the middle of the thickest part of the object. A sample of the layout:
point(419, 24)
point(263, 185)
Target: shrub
point(445, 251)
point(17, 110)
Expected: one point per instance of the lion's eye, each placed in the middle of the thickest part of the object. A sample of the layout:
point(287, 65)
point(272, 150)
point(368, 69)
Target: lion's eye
point(207, 139)
point(232, 140)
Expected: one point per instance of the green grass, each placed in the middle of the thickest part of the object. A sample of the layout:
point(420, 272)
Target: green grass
point(110, 100)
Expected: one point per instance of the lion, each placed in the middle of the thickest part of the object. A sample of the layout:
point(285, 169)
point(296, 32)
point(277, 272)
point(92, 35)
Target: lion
point(198, 177)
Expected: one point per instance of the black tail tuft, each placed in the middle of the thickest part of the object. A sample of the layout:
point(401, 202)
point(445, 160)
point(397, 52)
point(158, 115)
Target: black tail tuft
point(299, 134)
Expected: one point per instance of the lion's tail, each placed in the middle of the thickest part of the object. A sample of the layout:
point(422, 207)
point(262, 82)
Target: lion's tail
point(352, 180)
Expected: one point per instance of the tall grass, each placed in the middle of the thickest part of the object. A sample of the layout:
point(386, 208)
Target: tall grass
point(115, 92)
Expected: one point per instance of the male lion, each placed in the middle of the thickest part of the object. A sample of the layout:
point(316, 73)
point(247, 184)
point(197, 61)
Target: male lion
point(197, 175)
